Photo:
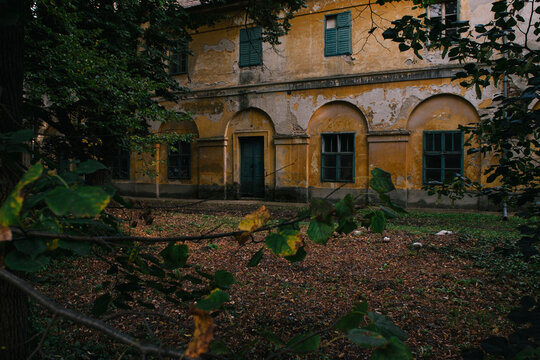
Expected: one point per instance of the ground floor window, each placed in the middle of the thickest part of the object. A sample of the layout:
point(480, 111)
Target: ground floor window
point(120, 165)
point(337, 157)
point(179, 161)
point(443, 156)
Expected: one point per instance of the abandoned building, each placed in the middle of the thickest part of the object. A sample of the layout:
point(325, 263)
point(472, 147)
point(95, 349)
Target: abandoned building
point(317, 112)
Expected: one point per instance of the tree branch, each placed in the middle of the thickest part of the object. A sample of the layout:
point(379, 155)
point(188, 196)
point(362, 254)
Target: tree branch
point(85, 320)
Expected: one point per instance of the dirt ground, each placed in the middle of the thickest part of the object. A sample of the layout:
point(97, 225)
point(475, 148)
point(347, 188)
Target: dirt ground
point(441, 299)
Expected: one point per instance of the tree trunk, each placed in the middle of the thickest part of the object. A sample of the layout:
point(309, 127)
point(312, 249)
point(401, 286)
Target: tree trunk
point(13, 303)
point(13, 323)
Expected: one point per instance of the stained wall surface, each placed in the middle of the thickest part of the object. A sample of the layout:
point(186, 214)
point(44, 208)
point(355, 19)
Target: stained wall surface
point(387, 98)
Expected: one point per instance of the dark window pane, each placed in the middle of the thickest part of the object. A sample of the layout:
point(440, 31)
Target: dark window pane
point(329, 161)
point(429, 142)
point(451, 8)
point(347, 142)
point(433, 161)
point(346, 174)
point(329, 174)
point(346, 161)
point(448, 141)
point(452, 161)
point(457, 142)
point(437, 142)
point(433, 175)
point(450, 174)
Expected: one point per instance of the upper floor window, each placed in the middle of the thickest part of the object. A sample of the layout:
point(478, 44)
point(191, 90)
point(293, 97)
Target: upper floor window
point(250, 46)
point(337, 157)
point(179, 161)
point(337, 34)
point(443, 13)
point(178, 63)
point(443, 156)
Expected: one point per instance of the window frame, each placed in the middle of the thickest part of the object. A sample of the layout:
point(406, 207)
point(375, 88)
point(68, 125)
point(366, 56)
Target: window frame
point(442, 153)
point(253, 46)
point(178, 58)
point(346, 30)
point(177, 157)
point(444, 16)
point(117, 171)
point(338, 157)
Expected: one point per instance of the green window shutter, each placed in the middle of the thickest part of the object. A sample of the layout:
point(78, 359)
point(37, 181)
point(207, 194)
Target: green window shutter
point(250, 46)
point(337, 40)
point(344, 33)
point(330, 42)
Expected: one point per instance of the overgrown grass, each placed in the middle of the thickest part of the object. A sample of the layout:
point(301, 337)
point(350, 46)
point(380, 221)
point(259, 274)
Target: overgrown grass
point(475, 225)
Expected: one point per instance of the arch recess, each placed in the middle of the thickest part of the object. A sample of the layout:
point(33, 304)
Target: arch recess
point(442, 112)
point(338, 117)
point(179, 127)
point(250, 122)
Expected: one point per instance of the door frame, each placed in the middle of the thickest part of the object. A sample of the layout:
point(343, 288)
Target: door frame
point(236, 158)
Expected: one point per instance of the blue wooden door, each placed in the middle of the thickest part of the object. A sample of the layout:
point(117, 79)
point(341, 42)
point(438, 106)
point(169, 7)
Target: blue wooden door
point(252, 166)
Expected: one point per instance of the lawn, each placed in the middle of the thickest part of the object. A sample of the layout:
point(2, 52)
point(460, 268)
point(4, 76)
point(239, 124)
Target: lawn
point(448, 295)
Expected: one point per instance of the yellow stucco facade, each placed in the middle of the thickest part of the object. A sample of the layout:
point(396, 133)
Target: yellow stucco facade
point(297, 100)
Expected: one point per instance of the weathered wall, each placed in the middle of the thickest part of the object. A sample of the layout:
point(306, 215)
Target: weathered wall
point(387, 98)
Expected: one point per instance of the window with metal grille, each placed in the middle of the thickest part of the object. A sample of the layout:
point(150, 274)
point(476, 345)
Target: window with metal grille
point(179, 161)
point(443, 156)
point(120, 165)
point(337, 157)
point(178, 63)
point(250, 46)
point(337, 34)
point(443, 13)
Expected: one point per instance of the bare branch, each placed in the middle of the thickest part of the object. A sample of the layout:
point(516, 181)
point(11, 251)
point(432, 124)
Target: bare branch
point(43, 337)
point(85, 320)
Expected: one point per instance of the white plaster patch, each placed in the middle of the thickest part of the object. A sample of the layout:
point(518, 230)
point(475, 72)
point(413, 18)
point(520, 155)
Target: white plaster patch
point(222, 45)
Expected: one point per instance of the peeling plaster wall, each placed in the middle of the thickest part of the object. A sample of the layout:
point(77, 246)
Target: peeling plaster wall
point(388, 98)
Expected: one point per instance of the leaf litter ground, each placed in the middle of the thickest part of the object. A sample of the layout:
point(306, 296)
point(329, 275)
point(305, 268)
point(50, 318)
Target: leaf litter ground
point(450, 294)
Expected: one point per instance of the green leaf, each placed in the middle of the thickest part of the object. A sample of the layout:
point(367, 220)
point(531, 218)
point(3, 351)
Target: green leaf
point(346, 226)
point(321, 209)
point(284, 243)
point(353, 319)
point(319, 232)
point(389, 213)
point(386, 326)
point(89, 167)
point(381, 181)
point(350, 321)
point(305, 343)
point(366, 338)
point(395, 350)
point(299, 256)
point(85, 201)
point(216, 298)
point(403, 47)
point(78, 247)
point(9, 212)
point(101, 304)
point(20, 261)
point(175, 256)
point(32, 247)
point(378, 222)
point(223, 279)
point(345, 207)
point(256, 258)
